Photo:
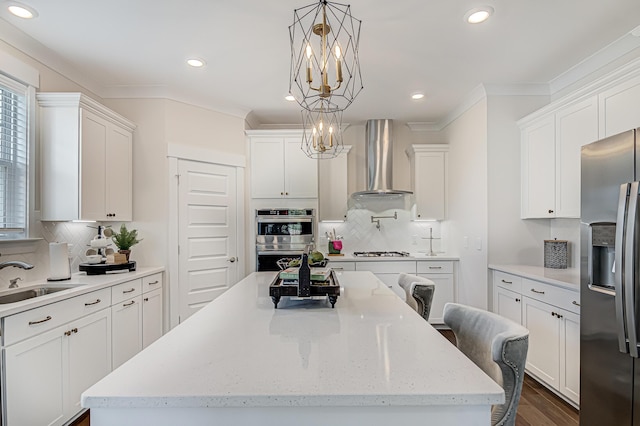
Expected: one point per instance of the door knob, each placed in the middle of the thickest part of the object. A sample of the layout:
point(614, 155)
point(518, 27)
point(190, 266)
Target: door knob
point(232, 259)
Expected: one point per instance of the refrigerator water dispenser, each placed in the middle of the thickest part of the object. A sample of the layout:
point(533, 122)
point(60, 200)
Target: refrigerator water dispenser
point(602, 254)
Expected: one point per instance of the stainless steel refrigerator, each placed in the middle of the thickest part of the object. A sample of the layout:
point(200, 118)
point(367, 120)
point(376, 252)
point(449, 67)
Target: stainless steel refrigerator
point(610, 282)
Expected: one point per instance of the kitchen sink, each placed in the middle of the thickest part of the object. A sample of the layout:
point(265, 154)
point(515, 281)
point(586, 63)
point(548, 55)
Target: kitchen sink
point(29, 294)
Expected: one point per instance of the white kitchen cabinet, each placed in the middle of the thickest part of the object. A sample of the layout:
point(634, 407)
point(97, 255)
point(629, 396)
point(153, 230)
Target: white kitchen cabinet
point(551, 159)
point(126, 317)
point(46, 374)
point(428, 171)
point(93, 145)
point(280, 168)
point(538, 169)
point(442, 275)
point(389, 271)
point(333, 192)
point(618, 108)
point(551, 314)
point(151, 317)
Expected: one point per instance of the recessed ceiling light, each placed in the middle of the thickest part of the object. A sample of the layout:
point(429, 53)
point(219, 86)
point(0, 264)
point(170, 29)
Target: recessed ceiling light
point(21, 10)
point(290, 98)
point(478, 15)
point(417, 96)
point(195, 62)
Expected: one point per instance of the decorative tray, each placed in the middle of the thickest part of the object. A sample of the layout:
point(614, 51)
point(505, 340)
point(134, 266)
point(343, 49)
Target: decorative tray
point(282, 287)
point(103, 268)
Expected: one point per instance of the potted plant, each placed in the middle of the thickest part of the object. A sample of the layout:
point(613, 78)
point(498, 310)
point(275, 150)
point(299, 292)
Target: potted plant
point(125, 239)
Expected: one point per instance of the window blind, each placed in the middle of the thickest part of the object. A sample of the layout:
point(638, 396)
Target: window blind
point(13, 156)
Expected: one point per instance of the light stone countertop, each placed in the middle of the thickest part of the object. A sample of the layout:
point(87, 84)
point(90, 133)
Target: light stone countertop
point(567, 278)
point(80, 282)
point(349, 257)
point(238, 351)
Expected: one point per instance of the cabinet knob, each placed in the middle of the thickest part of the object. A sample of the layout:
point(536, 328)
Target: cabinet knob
point(232, 259)
point(286, 193)
point(282, 193)
point(550, 211)
point(517, 300)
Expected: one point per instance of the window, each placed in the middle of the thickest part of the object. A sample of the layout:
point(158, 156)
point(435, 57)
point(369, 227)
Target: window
point(13, 158)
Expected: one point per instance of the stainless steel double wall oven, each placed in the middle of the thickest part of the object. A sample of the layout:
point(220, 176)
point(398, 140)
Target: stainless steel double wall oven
point(282, 233)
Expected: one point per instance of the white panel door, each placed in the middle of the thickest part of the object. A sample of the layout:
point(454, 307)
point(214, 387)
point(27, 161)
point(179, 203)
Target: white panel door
point(430, 185)
point(207, 233)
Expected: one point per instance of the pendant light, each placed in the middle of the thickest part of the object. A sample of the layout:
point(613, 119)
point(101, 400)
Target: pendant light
point(322, 136)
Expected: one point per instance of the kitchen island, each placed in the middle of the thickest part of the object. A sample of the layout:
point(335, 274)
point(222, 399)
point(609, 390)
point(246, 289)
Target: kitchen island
point(370, 360)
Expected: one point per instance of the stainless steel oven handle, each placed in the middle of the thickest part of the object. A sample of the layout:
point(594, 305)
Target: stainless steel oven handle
point(630, 268)
point(284, 219)
point(280, 252)
point(619, 270)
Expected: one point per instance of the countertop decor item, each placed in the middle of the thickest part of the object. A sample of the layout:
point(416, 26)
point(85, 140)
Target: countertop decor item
point(125, 239)
point(556, 254)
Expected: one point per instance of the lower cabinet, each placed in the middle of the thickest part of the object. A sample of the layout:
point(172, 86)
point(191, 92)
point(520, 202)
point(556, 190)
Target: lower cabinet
point(46, 374)
point(550, 313)
point(53, 353)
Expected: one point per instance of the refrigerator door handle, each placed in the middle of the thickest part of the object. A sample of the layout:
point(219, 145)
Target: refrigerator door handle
point(619, 270)
point(629, 270)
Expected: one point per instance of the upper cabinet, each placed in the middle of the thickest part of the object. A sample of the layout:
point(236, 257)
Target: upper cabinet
point(429, 165)
point(280, 168)
point(333, 192)
point(619, 108)
point(551, 159)
point(86, 160)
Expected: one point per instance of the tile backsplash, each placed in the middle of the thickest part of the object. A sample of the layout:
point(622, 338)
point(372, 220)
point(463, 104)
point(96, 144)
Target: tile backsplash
point(76, 235)
point(359, 232)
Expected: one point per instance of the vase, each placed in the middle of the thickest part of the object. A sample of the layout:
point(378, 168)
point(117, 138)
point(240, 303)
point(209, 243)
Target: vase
point(126, 253)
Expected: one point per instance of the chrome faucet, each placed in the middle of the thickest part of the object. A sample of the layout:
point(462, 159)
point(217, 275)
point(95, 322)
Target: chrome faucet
point(16, 263)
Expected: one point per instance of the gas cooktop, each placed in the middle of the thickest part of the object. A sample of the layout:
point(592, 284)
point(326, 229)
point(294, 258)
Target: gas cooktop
point(380, 253)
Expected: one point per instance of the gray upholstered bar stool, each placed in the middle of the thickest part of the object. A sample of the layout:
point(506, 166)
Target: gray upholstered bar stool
point(498, 346)
point(419, 293)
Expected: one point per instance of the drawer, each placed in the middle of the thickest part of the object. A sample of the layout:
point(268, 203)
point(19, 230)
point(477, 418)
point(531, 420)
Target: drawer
point(126, 291)
point(431, 267)
point(388, 267)
point(343, 266)
point(508, 281)
point(151, 282)
point(557, 296)
point(35, 321)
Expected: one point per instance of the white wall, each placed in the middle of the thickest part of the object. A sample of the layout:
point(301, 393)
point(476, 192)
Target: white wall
point(511, 239)
point(467, 137)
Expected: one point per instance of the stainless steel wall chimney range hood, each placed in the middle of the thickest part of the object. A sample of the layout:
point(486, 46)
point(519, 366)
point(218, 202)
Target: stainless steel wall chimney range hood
point(379, 161)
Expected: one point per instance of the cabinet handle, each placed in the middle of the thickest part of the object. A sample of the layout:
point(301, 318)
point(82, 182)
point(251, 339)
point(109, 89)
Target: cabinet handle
point(67, 333)
point(154, 282)
point(550, 211)
point(507, 282)
point(93, 303)
point(435, 267)
point(41, 321)
point(338, 269)
point(74, 330)
point(129, 291)
point(536, 291)
point(146, 299)
point(575, 303)
point(559, 316)
point(129, 304)
point(517, 300)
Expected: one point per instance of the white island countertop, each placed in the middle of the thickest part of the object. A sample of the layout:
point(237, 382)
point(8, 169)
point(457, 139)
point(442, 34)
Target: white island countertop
point(240, 361)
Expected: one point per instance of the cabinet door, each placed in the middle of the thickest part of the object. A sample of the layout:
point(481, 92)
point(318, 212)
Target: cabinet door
point(119, 166)
point(543, 357)
point(430, 185)
point(333, 192)
point(508, 304)
point(301, 172)
point(618, 108)
point(576, 125)
point(35, 379)
point(93, 198)
point(89, 355)
point(267, 167)
point(443, 294)
point(126, 330)
point(151, 317)
point(570, 356)
point(538, 169)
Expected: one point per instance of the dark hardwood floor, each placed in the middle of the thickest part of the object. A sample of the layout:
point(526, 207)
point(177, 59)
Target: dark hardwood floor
point(538, 406)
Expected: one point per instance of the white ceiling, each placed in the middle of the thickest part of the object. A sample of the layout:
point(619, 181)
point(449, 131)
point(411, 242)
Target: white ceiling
point(124, 48)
